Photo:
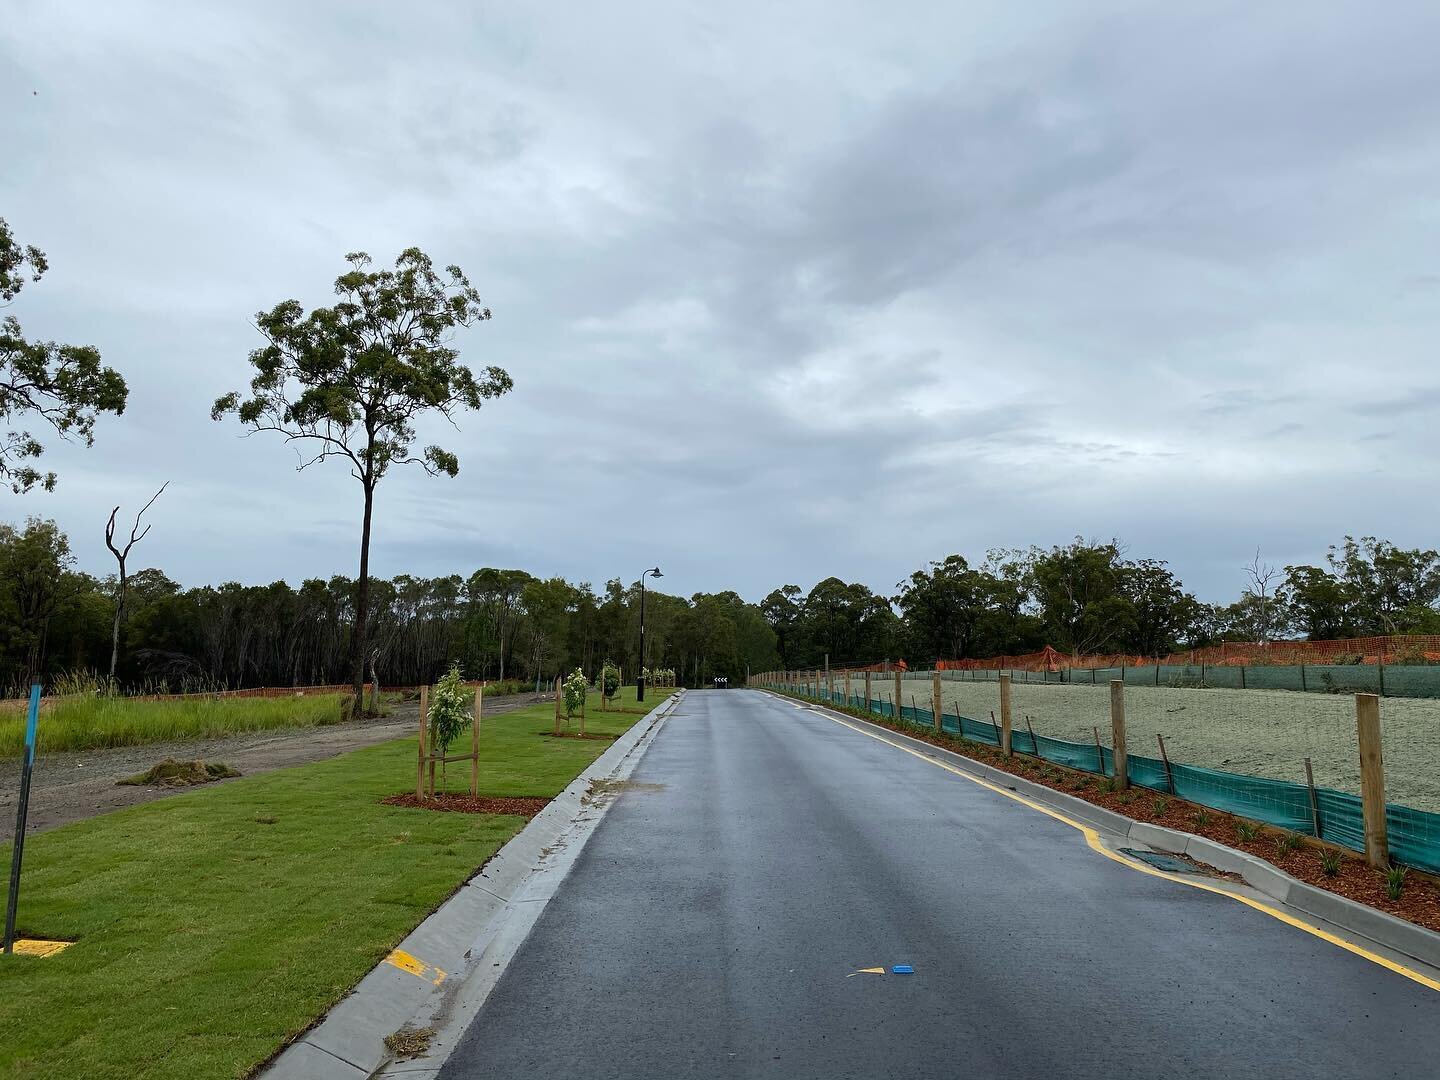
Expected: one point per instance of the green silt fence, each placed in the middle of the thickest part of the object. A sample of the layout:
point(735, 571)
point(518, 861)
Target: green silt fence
point(1414, 835)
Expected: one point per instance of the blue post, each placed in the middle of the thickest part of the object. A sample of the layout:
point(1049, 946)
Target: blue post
point(18, 850)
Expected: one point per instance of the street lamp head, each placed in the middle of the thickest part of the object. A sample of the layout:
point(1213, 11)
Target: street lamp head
point(655, 571)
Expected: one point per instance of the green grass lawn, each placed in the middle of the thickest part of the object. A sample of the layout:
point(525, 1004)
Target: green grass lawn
point(90, 721)
point(212, 926)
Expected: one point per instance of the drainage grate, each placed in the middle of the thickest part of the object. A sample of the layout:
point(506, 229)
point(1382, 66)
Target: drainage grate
point(1160, 861)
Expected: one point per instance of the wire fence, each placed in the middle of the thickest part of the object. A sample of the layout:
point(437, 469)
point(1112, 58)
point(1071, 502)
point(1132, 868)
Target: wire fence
point(1288, 759)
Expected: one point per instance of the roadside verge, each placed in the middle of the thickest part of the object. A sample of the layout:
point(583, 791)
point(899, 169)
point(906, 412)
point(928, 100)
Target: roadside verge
point(423, 994)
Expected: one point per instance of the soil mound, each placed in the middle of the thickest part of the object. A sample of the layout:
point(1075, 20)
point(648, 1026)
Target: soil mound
point(172, 773)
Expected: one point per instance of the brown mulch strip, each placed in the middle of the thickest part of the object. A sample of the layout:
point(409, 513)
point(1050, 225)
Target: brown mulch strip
point(577, 735)
point(470, 804)
point(1356, 880)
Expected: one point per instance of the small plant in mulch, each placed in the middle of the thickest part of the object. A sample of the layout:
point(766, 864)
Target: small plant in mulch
point(1395, 881)
point(172, 773)
point(1107, 785)
point(1330, 862)
point(1200, 818)
point(1288, 842)
point(1247, 830)
point(1159, 805)
point(1125, 798)
point(1080, 783)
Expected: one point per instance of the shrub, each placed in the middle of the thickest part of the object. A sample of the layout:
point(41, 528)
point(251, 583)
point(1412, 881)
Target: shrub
point(575, 687)
point(450, 710)
point(1395, 881)
point(1330, 862)
point(1200, 817)
point(609, 680)
point(1248, 830)
point(1160, 805)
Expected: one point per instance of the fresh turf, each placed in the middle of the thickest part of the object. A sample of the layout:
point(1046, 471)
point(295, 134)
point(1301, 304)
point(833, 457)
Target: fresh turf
point(91, 721)
point(213, 926)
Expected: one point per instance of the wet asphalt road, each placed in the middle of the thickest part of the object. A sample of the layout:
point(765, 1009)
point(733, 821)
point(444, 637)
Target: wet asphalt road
point(709, 927)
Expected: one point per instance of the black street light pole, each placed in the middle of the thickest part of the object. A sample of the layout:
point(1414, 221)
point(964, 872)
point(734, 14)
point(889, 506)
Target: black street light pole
point(640, 672)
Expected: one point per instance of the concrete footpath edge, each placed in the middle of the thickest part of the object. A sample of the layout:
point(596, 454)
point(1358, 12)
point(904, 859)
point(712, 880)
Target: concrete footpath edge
point(417, 985)
point(1340, 913)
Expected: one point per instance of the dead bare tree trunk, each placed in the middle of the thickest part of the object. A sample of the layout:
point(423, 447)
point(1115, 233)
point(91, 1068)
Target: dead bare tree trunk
point(1265, 599)
point(121, 555)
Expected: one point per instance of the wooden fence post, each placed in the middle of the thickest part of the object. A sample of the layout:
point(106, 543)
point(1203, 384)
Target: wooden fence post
point(430, 757)
point(867, 690)
point(935, 696)
point(1117, 734)
point(559, 702)
point(847, 687)
point(1372, 779)
point(475, 740)
point(829, 680)
point(420, 756)
point(899, 695)
point(1005, 714)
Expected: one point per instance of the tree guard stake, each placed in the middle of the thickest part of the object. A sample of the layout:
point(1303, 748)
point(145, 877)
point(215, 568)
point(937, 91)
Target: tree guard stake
point(18, 852)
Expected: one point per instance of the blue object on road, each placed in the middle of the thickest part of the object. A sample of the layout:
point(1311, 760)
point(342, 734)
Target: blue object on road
point(902, 969)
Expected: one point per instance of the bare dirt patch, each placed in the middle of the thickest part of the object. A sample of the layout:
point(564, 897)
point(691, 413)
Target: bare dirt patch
point(519, 806)
point(172, 773)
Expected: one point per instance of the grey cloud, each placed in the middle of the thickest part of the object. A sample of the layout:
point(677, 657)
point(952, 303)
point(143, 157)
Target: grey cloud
point(821, 292)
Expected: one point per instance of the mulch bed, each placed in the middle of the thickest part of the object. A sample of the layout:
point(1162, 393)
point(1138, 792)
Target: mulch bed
point(470, 804)
point(577, 735)
point(1356, 880)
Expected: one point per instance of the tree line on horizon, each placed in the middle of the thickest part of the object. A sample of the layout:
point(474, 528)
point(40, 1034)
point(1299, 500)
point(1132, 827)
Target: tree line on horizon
point(1083, 597)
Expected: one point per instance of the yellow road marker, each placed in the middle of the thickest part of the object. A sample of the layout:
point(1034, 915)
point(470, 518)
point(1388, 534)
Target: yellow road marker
point(39, 947)
point(866, 971)
point(1092, 838)
point(415, 966)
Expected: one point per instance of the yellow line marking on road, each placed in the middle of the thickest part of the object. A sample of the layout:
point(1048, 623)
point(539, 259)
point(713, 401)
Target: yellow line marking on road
point(415, 966)
point(866, 971)
point(1092, 838)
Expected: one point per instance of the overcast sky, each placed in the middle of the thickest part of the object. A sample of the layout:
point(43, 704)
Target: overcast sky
point(786, 290)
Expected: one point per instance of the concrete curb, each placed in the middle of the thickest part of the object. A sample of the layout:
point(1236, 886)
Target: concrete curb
point(1351, 918)
point(349, 1042)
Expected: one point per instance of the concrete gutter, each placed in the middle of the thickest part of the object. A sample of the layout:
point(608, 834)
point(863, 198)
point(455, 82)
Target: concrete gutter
point(430, 980)
point(1338, 915)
